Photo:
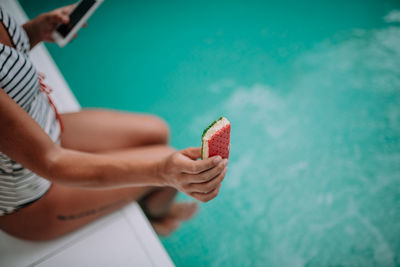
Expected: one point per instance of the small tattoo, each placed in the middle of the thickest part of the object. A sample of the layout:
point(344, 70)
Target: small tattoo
point(92, 211)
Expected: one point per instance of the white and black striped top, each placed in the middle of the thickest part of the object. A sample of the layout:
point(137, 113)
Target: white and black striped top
point(19, 79)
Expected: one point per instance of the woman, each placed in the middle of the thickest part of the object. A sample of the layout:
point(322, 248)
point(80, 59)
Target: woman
point(54, 181)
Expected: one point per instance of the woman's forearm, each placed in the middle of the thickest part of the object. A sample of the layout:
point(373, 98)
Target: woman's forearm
point(31, 29)
point(90, 170)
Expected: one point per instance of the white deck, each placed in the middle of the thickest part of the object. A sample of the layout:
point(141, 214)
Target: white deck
point(124, 238)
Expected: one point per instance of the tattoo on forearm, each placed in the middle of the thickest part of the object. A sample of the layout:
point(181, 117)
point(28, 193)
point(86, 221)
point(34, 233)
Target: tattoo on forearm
point(93, 211)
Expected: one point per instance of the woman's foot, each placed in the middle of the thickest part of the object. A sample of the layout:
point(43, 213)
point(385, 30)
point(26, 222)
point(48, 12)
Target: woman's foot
point(178, 213)
point(156, 204)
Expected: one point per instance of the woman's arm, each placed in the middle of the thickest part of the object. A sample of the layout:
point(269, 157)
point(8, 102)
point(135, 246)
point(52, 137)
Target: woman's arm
point(23, 140)
point(41, 28)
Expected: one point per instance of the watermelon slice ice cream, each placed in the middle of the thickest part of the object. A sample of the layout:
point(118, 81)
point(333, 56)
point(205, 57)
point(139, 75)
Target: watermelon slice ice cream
point(216, 139)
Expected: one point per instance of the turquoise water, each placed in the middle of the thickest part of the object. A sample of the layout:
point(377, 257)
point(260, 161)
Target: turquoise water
point(312, 90)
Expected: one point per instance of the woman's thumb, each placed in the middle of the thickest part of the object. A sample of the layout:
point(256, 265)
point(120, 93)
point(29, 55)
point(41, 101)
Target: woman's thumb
point(192, 152)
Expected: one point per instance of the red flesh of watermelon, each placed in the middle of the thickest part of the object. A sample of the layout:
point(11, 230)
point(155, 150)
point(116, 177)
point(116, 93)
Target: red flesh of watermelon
point(219, 143)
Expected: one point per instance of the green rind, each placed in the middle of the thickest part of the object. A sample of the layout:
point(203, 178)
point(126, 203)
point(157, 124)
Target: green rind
point(205, 131)
point(209, 126)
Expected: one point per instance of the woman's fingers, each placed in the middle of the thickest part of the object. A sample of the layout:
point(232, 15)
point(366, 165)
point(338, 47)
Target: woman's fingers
point(61, 15)
point(199, 179)
point(64, 19)
point(196, 166)
point(210, 185)
point(207, 175)
point(56, 17)
point(68, 9)
point(208, 196)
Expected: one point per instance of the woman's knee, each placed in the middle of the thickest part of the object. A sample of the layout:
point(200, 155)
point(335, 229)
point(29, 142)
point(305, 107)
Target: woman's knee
point(164, 130)
point(158, 130)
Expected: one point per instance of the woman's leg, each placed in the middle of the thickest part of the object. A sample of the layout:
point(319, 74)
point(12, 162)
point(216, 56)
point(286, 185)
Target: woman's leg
point(105, 131)
point(64, 209)
point(97, 130)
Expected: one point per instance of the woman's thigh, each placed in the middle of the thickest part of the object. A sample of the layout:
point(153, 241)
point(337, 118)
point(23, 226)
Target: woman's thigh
point(96, 130)
point(64, 209)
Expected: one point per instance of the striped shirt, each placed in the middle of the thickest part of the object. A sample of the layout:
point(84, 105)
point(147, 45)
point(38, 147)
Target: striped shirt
point(19, 79)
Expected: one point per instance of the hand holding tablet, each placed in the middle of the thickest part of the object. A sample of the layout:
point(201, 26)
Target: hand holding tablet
point(79, 15)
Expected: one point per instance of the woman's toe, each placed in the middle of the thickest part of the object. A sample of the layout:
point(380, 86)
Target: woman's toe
point(165, 226)
point(183, 211)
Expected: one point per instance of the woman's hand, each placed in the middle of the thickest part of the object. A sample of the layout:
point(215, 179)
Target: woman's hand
point(41, 28)
point(200, 179)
